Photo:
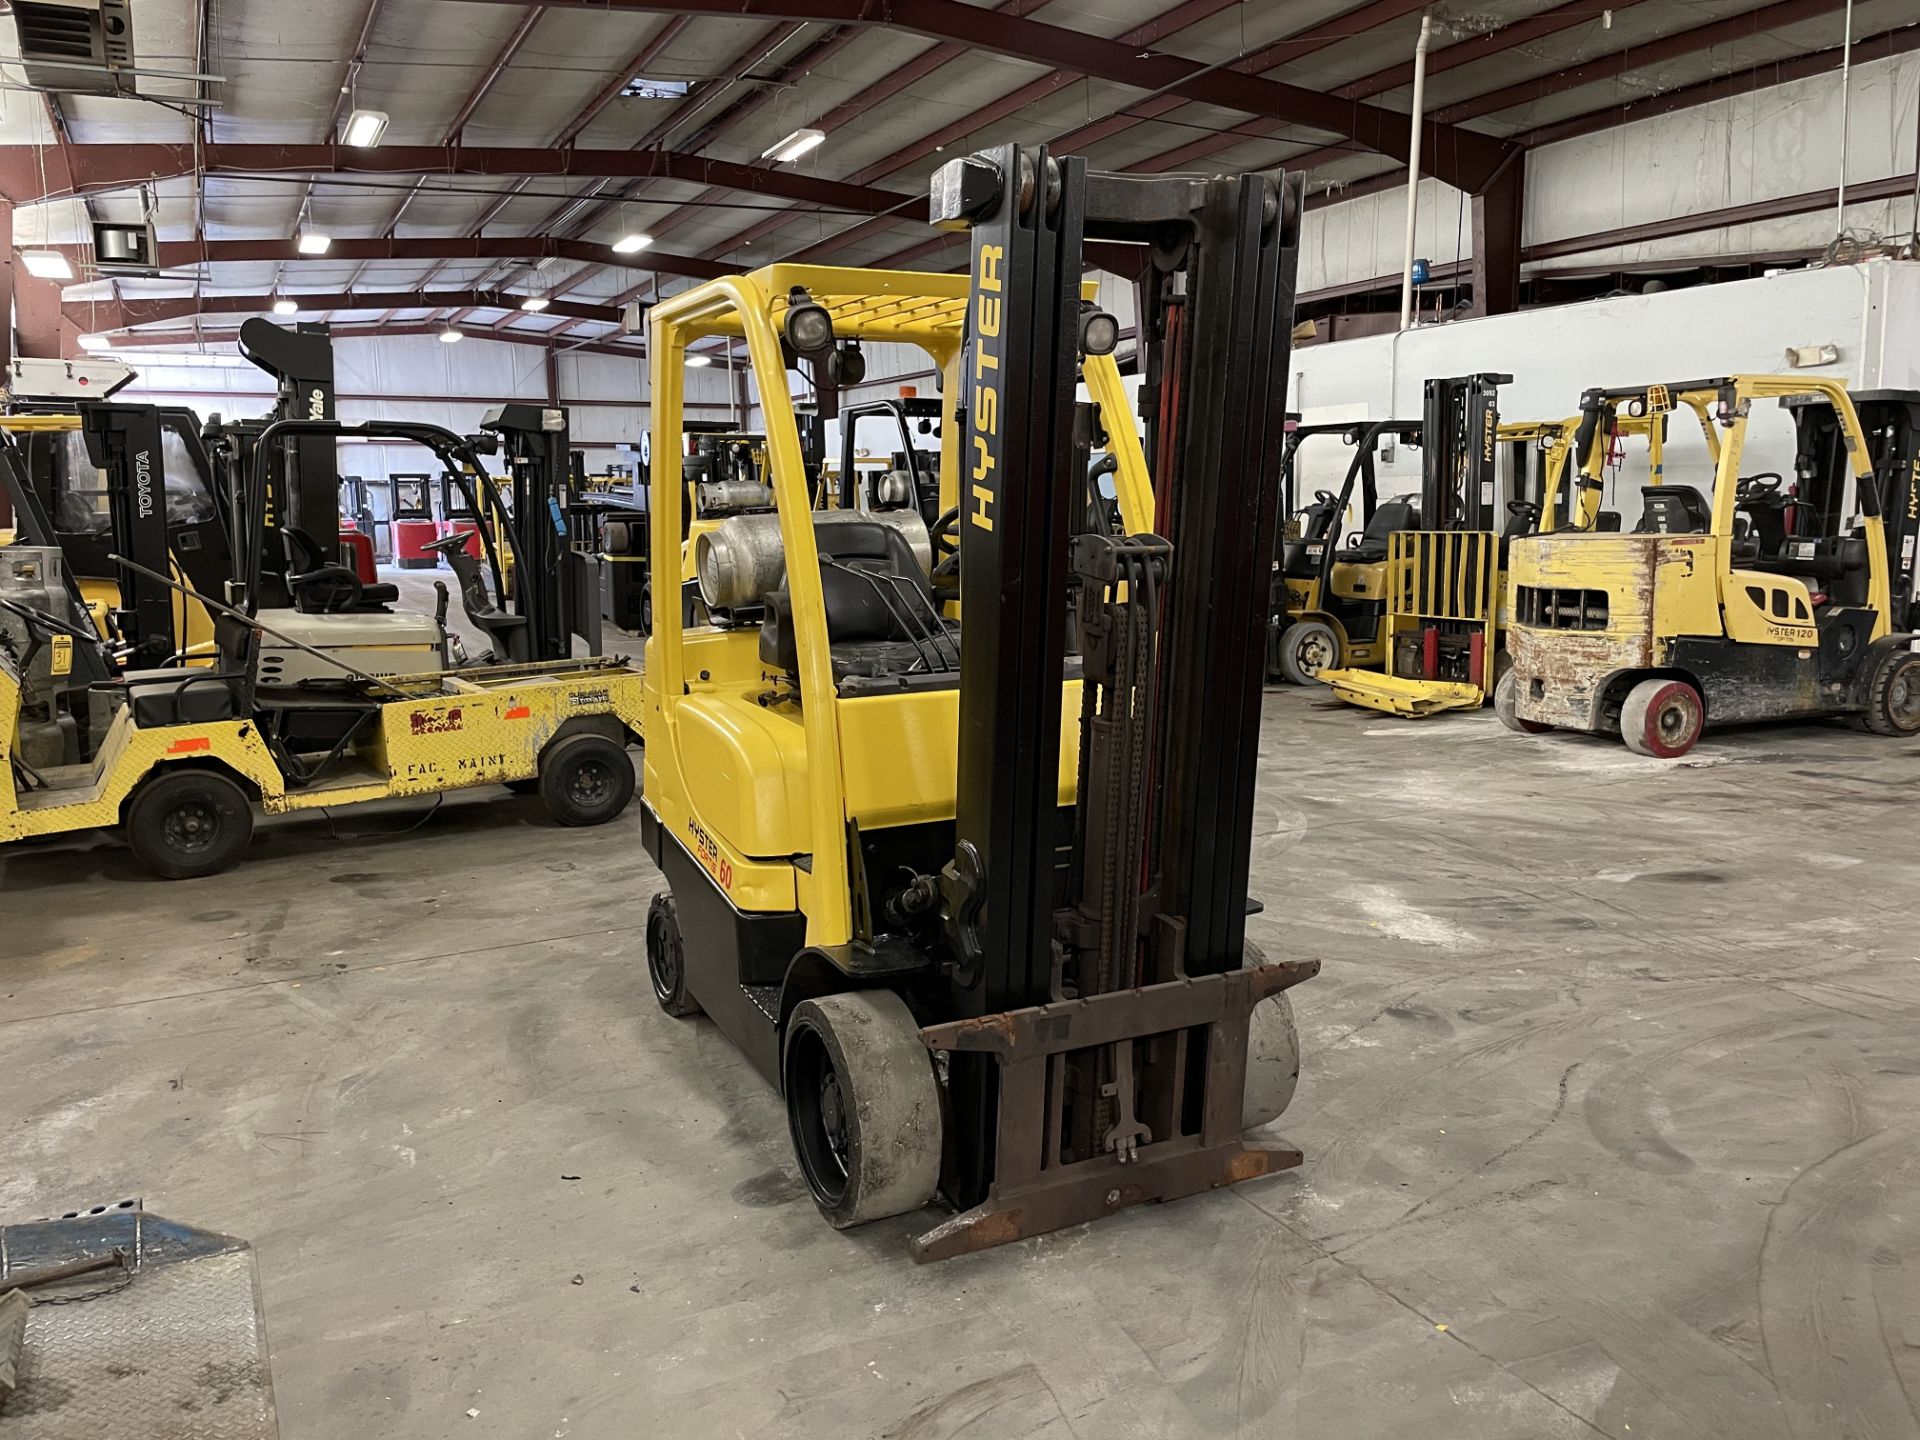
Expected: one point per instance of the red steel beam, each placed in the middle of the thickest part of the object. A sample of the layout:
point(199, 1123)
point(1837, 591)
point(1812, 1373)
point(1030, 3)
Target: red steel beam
point(1460, 156)
point(141, 339)
point(1610, 66)
point(86, 168)
point(175, 254)
point(118, 315)
point(1392, 77)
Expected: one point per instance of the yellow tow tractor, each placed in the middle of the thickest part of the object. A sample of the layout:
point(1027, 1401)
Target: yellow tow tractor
point(186, 752)
point(958, 853)
point(1773, 600)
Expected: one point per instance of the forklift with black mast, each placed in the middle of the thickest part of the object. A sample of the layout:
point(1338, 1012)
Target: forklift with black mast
point(1025, 983)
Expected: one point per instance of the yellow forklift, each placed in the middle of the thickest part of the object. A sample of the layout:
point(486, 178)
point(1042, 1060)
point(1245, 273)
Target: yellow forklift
point(984, 952)
point(1772, 600)
point(184, 753)
point(1328, 599)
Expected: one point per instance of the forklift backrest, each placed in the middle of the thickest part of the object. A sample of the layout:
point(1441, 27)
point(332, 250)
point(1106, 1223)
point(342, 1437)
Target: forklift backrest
point(1388, 517)
point(873, 586)
point(1673, 510)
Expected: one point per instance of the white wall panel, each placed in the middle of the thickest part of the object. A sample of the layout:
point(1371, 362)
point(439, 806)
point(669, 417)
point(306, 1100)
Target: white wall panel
point(1771, 143)
point(1871, 313)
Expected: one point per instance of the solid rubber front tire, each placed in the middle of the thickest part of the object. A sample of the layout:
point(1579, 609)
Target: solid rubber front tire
point(1893, 694)
point(585, 779)
point(182, 824)
point(1273, 1055)
point(1305, 648)
point(1506, 703)
point(1662, 718)
point(863, 1106)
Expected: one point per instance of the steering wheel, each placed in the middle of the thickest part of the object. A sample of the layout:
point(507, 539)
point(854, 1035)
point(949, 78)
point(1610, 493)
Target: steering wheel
point(448, 545)
point(1759, 487)
point(944, 535)
point(333, 588)
point(1323, 497)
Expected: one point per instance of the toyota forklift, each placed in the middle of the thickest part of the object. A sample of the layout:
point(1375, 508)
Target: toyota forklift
point(1774, 599)
point(960, 863)
point(186, 752)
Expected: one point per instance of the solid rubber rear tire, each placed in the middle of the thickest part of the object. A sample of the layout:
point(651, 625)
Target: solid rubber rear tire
point(863, 1106)
point(586, 779)
point(1506, 700)
point(667, 959)
point(1662, 718)
point(1305, 648)
point(185, 823)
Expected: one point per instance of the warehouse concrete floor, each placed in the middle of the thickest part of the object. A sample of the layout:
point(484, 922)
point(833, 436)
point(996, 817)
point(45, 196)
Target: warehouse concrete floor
point(1611, 1110)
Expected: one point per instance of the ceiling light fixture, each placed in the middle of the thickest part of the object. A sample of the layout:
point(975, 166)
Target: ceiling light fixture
point(632, 244)
point(95, 342)
point(365, 127)
point(534, 304)
point(313, 242)
point(699, 362)
point(451, 336)
point(46, 264)
point(285, 307)
point(794, 146)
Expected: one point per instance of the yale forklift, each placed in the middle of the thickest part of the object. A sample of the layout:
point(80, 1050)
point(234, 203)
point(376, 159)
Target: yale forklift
point(966, 879)
point(185, 752)
point(1327, 598)
point(1765, 602)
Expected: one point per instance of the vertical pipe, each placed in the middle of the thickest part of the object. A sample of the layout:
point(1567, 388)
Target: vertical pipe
point(1413, 164)
point(1846, 96)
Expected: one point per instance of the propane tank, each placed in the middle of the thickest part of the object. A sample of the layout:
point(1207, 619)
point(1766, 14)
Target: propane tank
point(741, 559)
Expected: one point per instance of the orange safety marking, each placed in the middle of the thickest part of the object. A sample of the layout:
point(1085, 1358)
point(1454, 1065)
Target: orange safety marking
point(187, 747)
point(518, 712)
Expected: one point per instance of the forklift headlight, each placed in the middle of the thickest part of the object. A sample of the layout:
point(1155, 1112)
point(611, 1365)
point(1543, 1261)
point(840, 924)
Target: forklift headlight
point(847, 366)
point(809, 328)
point(1099, 332)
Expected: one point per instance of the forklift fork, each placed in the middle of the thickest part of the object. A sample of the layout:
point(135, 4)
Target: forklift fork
point(1190, 1096)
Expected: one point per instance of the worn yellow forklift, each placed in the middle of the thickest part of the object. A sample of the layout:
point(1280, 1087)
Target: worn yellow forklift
point(1772, 600)
point(985, 953)
point(175, 757)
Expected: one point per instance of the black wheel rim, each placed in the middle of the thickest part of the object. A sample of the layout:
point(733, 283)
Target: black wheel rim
point(820, 1116)
point(192, 827)
point(591, 783)
point(664, 961)
point(1903, 699)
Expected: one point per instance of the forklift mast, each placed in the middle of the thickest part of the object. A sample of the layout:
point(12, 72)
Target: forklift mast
point(1460, 452)
point(123, 442)
point(305, 478)
point(552, 586)
point(1130, 924)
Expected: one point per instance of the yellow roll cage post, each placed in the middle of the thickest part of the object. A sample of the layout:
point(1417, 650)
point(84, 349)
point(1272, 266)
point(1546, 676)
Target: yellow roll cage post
point(876, 306)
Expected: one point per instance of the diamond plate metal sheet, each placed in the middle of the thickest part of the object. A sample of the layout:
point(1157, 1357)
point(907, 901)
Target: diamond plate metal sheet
point(173, 1351)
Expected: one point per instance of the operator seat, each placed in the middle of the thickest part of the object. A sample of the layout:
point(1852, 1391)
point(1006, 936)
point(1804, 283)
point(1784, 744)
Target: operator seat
point(312, 578)
point(882, 617)
point(1388, 517)
point(1673, 510)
